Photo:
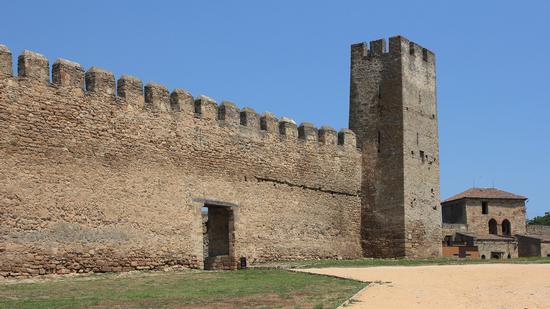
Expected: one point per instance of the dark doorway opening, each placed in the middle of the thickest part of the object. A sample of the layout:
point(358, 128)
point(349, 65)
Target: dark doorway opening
point(218, 237)
point(496, 255)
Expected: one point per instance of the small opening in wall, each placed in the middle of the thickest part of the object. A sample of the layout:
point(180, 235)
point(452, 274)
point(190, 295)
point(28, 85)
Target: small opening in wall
point(417, 138)
point(379, 91)
point(422, 156)
point(484, 208)
point(379, 139)
point(197, 107)
point(509, 256)
point(483, 256)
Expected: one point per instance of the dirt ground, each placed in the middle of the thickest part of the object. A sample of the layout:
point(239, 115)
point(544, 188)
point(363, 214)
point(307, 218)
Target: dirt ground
point(450, 286)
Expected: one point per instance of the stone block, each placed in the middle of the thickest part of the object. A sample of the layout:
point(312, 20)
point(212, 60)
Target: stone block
point(100, 81)
point(129, 87)
point(206, 108)
point(6, 64)
point(328, 136)
point(269, 123)
point(33, 66)
point(68, 74)
point(157, 97)
point(308, 132)
point(229, 113)
point(287, 127)
point(182, 101)
point(346, 138)
point(249, 118)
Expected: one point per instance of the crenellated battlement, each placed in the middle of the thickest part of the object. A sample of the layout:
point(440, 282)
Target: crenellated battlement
point(398, 46)
point(155, 98)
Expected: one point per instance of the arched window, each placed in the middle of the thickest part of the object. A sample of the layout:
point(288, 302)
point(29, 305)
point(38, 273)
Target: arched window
point(506, 228)
point(493, 227)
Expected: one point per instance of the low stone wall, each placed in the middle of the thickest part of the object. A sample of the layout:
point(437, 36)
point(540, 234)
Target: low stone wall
point(509, 249)
point(538, 229)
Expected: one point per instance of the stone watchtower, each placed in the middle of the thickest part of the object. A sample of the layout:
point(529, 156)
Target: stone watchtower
point(393, 112)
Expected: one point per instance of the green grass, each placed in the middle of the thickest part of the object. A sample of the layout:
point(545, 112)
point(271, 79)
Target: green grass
point(366, 262)
point(263, 288)
point(258, 288)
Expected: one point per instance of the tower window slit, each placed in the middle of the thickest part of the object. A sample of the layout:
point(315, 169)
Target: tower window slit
point(378, 141)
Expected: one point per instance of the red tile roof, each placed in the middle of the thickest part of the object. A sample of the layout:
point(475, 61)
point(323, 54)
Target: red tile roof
point(485, 193)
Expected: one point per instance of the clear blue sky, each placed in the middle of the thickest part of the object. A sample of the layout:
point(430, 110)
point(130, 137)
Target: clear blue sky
point(292, 58)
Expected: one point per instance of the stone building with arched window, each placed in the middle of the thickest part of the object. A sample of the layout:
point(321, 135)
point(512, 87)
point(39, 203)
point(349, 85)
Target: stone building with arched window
point(483, 222)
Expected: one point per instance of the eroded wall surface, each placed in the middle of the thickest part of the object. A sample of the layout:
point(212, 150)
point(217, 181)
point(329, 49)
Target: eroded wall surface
point(108, 178)
point(393, 111)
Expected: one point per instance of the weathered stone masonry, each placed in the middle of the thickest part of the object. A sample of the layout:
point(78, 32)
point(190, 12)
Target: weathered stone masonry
point(101, 174)
point(393, 112)
point(110, 178)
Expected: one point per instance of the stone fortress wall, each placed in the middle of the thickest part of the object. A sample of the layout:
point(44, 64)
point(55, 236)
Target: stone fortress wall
point(101, 175)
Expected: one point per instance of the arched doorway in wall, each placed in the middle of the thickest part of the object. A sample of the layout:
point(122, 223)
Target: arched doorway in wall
point(493, 227)
point(506, 227)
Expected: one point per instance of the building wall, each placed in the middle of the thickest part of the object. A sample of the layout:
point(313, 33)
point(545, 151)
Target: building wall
point(454, 212)
point(545, 249)
point(448, 229)
point(513, 210)
point(486, 247)
point(393, 111)
point(108, 179)
point(469, 252)
point(528, 246)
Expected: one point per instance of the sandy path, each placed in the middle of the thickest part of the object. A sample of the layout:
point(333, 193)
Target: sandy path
point(451, 286)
